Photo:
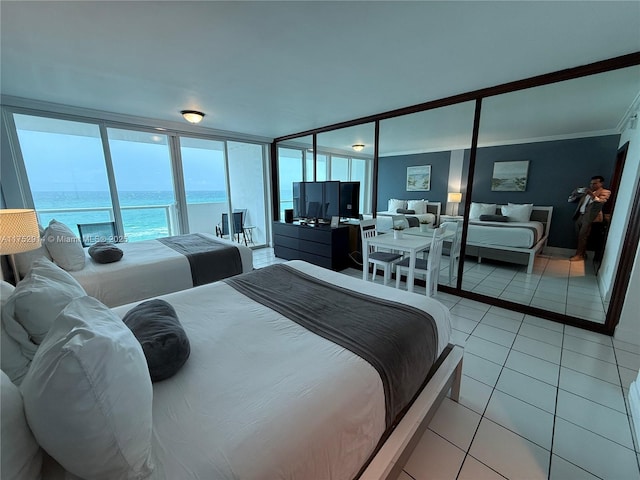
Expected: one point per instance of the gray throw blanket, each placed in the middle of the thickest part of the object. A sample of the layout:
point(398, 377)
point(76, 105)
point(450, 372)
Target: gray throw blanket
point(209, 260)
point(399, 341)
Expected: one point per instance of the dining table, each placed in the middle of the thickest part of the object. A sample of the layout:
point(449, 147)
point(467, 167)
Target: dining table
point(411, 241)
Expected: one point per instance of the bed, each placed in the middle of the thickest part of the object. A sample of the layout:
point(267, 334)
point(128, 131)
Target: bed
point(430, 216)
point(150, 267)
point(514, 241)
point(262, 397)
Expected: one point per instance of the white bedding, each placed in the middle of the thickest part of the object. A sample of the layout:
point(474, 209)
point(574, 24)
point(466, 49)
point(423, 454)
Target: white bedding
point(263, 398)
point(147, 269)
point(506, 234)
point(422, 217)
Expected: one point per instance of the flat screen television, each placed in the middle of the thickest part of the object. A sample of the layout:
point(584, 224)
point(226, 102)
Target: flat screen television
point(350, 199)
point(316, 200)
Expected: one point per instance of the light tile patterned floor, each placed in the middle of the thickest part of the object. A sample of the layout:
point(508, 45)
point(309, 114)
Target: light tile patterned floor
point(538, 399)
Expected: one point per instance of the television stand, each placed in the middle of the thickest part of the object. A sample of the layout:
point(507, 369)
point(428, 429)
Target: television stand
point(319, 244)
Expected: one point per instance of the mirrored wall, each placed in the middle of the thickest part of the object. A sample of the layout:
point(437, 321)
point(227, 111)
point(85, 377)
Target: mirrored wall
point(535, 147)
point(502, 166)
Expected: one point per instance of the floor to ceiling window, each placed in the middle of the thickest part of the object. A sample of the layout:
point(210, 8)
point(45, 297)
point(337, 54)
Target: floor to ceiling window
point(152, 183)
point(142, 170)
point(203, 170)
point(65, 164)
point(246, 178)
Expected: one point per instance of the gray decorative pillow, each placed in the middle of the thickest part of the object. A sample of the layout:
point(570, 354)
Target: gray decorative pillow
point(494, 218)
point(406, 211)
point(103, 252)
point(164, 342)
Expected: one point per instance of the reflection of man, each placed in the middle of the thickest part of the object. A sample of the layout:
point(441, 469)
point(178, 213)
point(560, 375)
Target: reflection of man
point(590, 201)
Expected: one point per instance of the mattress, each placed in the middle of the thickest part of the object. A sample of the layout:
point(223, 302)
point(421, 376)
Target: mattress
point(242, 407)
point(147, 269)
point(504, 234)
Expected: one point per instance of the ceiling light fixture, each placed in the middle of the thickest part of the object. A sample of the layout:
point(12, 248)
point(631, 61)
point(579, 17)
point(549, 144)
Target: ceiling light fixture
point(192, 116)
point(358, 147)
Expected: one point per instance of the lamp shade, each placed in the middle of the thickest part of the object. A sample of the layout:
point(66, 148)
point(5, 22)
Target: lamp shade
point(19, 231)
point(453, 197)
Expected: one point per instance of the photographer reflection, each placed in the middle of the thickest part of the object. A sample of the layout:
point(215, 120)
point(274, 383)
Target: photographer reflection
point(590, 202)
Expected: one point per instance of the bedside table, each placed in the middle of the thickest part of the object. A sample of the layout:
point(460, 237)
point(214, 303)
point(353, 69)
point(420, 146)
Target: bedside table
point(451, 218)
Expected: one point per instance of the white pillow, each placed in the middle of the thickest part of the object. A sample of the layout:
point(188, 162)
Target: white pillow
point(13, 362)
point(6, 289)
point(21, 455)
point(419, 206)
point(25, 259)
point(36, 302)
point(395, 204)
point(88, 395)
point(478, 209)
point(64, 246)
point(518, 212)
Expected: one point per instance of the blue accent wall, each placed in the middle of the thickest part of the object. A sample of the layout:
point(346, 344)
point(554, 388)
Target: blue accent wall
point(392, 178)
point(555, 169)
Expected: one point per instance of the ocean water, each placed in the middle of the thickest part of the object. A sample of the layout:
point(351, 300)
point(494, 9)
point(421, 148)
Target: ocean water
point(92, 207)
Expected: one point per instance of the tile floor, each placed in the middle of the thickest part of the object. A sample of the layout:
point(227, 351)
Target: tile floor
point(538, 400)
point(556, 284)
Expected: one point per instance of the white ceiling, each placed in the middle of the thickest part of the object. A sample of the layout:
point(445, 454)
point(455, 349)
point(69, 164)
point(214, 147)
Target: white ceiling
point(270, 69)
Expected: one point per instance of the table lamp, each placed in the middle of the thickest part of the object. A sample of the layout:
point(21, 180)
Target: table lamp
point(454, 198)
point(19, 233)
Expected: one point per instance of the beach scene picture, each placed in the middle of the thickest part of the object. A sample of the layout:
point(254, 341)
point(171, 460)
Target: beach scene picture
point(419, 178)
point(510, 176)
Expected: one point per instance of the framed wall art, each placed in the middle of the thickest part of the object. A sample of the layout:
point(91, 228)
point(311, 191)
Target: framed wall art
point(419, 178)
point(510, 176)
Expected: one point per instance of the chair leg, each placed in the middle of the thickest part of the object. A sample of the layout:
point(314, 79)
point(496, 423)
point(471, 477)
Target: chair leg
point(398, 275)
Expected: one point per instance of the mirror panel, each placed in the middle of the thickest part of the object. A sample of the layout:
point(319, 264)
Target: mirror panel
point(535, 147)
point(346, 154)
point(421, 157)
point(293, 166)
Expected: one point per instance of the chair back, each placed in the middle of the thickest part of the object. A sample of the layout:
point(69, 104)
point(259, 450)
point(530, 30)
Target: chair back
point(91, 233)
point(457, 240)
point(433, 262)
point(368, 229)
point(238, 223)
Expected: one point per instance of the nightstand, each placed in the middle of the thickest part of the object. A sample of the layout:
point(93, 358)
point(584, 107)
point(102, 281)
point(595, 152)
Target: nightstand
point(451, 218)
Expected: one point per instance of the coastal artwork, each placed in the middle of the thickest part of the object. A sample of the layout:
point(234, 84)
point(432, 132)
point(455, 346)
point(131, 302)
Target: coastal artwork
point(510, 176)
point(419, 178)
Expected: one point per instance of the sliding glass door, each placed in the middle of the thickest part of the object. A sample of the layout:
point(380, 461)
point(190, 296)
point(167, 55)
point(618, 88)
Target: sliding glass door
point(204, 174)
point(144, 180)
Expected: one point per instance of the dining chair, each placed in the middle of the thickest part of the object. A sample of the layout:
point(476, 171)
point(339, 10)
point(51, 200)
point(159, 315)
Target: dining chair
point(91, 233)
point(429, 268)
point(453, 250)
point(385, 260)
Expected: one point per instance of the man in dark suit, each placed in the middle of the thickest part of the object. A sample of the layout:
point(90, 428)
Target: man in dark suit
point(590, 202)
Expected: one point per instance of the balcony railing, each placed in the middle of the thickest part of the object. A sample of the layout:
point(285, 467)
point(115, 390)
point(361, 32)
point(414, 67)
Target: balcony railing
point(138, 223)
